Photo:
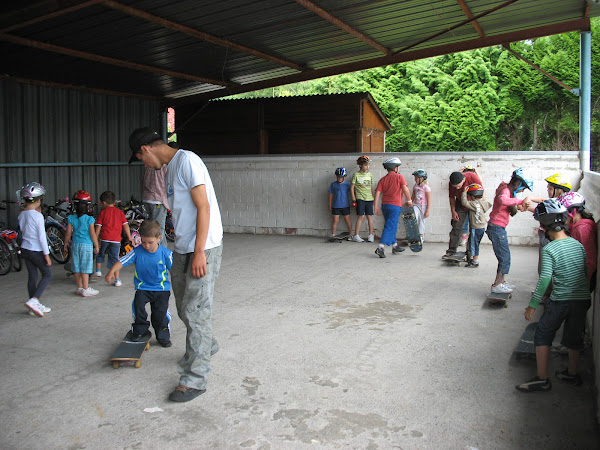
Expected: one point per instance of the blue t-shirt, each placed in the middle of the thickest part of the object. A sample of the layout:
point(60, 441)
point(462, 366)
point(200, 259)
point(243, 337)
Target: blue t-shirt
point(341, 194)
point(81, 228)
point(151, 269)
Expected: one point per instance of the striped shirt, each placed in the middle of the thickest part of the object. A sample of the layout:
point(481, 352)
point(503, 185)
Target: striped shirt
point(563, 263)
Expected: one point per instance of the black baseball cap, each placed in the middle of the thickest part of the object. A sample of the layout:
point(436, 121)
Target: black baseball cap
point(456, 178)
point(139, 137)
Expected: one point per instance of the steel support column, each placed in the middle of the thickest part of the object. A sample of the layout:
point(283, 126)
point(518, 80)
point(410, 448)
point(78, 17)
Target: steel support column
point(585, 99)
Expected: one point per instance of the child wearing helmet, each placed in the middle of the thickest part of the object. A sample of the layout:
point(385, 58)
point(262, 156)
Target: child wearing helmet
point(504, 202)
point(421, 195)
point(339, 201)
point(390, 189)
point(558, 184)
point(472, 199)
point(85, 244)
point(563, 263)
point(458, 180)
point(361, 189)
point(34, 246)
point(582, 227)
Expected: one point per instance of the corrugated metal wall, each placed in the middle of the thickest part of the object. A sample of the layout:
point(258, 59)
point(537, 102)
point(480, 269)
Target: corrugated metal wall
point(68, 140)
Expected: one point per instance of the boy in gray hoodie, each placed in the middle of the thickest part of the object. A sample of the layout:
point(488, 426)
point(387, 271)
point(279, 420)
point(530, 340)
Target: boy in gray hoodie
point(472, 199)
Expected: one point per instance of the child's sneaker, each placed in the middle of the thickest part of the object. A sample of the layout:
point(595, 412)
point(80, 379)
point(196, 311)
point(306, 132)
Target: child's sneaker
point(371, 238)
point(463, 240)
point(79, 291)
point(501, 289)
point(118, 282)
point(35, 307)
point(357, 238)
point(568, 378)
point(397, 249)
point(473, 264)
point(97, 273)
point(89, 292)
point(535, 384)
point(508, 285)
point(447, 254)
point(379, 252)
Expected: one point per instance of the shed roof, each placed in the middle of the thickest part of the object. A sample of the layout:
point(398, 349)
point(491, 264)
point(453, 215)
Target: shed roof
point(185, 51)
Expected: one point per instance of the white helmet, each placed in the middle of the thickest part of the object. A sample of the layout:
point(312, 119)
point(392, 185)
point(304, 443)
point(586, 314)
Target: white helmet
point(31, 192)
point(390, 163)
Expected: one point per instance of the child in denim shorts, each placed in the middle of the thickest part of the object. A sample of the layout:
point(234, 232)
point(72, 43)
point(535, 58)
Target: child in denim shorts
point(563, 263)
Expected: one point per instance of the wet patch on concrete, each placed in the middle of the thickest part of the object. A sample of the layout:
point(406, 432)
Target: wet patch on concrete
point(376, 314)
point(321, 382)
point(251, 385)
point(314, 427)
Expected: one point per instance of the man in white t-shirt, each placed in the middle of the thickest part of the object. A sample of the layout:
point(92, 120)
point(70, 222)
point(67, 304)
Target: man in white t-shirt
point(197, 256)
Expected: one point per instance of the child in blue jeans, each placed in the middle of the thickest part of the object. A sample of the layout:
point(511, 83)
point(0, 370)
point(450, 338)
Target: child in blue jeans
point(472, 199)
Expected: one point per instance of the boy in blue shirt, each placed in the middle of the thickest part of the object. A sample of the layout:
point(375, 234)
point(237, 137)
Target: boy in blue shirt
point(152, 263)
point(339, 201)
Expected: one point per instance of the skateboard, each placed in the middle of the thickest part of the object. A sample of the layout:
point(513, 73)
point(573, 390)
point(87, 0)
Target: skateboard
point(456, 258)
point(339, 237)
point(130, 351)
point(412, 228)
point(525, 347)
point(498, 299)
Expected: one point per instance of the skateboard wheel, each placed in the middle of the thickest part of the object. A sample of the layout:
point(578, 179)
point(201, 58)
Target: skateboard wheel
point(115, 364)
point(147, 346)
point(138, 364)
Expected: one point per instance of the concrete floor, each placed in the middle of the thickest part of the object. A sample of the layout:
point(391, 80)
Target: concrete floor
point(322, 345)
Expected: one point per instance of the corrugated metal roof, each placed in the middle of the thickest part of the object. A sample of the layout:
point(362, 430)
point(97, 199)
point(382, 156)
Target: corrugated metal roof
point(172, 49)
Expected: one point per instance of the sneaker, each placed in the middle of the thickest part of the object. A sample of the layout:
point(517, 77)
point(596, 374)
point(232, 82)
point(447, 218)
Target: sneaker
point(165, 344)
point(508, 285)
point(118, 282)
point(568, 378)
point(97, 273)
point(501, 289)
point(89, 292)
point(357, 238)
point(79, 291)
point(44, 308)
point(447, 254)
point(371, 238)
point(379, 252)
point(350, 238)
point(397, 249)
point(135, 337)
point(463, 240)
point(185, 394)
point(535, 384)
point(35, 307)
point(473, 264)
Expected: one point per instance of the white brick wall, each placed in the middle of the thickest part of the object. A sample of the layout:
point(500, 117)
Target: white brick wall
point(288, 194)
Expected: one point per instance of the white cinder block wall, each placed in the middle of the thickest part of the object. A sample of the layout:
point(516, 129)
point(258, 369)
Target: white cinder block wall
point(265, 194)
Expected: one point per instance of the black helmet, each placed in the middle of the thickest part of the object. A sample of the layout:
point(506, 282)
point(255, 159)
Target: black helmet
point(551, 214)
point(341, 172)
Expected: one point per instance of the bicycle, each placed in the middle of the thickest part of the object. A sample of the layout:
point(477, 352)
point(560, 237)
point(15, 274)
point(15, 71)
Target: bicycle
point(6, 259)
point(56, 229)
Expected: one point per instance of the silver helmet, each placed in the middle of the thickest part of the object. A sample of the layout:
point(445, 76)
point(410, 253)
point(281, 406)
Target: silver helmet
point(31, 192)
point(390, 163)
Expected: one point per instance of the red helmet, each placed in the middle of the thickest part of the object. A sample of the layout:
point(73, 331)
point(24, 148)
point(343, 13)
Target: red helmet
point(476, 190)
point(82, 197)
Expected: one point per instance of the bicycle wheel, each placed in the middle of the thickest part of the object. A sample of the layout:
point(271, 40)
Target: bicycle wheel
point(56, 243)
point(5, 258)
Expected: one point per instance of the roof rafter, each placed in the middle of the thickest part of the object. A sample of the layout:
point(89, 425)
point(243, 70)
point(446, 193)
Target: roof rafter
point(107, 60)
point(487, 41)
point(343, 25)
point(199, 34)
point(469, 14)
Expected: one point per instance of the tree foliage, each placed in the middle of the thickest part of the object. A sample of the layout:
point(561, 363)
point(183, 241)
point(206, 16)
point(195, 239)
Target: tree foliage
point(480, 100)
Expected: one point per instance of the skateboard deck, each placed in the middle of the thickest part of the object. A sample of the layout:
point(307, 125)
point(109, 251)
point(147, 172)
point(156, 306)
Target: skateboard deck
point(130, 351)
point(339, 237)
point(412, 228)
point(456, 258)
point(498, 299)
point(525, 348)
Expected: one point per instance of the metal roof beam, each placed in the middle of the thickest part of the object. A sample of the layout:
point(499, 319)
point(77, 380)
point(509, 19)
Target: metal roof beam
point(38, 12)
point(487, 41)
point(199, 34)
point(469, 14)
point(343, 25)
point(107, 60)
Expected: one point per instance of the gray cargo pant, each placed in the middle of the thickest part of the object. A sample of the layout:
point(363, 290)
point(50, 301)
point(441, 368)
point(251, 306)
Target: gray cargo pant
point(194, 299)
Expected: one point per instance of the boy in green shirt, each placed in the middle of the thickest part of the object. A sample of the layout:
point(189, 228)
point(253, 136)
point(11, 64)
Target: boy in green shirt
point(361, 190)
point(563, 264)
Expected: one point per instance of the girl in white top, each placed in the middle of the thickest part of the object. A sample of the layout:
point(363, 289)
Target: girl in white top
point(34, 246)
point(421, 199)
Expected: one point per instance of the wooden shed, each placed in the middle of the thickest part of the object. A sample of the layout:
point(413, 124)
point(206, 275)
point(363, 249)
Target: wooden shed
point(335, 123)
